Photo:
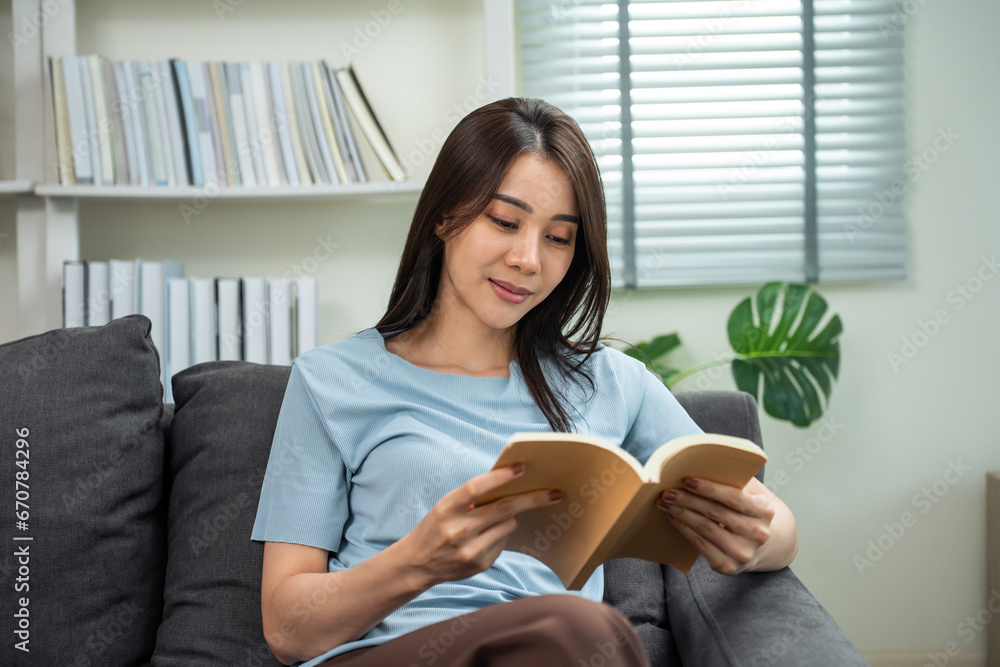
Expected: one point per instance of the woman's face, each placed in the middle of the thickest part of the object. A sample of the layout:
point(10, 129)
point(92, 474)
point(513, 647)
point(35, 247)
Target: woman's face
point(511, 257)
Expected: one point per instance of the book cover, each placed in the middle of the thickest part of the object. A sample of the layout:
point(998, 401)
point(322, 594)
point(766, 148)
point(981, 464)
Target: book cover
point(159, 100)
point(147, 99)
point(90, 115)
point(281, 123)
point(357, 102)
point(137, 112)
point(73, 294)
point(228, 299)
point(609, 507)
point(77, 121)
point(253, 125)
point(255, 324)
point(266, 137)
point(174, 122)
point(346, 127)
point(214, 125)
point(332, 140)
point(292, 110)
point(117, 122)
point(306, 129)
point(64, 137)
point(305, 314)
point(201, 295)
point(124, 110)
point(121, 274)
point(96, 288)
point(190, 122)
point(280, 320)
point(206, 147)
point(220, 86)
point(237, 117)
point(102, 120)
point(178, 353)
point(317, 123)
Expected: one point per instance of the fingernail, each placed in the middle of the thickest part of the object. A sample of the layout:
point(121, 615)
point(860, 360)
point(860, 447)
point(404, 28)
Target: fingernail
point(555, 495)
point(517, 469)
point(691, 483)
point(670, 496)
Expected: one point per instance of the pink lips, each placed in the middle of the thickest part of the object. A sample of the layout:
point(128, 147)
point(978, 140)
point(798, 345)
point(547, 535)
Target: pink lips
point(509, 291)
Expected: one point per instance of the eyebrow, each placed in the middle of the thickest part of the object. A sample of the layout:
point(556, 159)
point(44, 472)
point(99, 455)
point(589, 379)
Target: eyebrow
point(514, 201)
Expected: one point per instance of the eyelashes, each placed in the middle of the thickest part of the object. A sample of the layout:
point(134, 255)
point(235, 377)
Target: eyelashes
point(510, 226)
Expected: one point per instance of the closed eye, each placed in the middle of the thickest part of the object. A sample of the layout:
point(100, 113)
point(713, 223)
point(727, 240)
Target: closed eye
point(559, 240)
point(503, 224)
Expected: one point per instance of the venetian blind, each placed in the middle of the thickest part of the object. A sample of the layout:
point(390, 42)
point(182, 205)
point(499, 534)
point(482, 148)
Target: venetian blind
point(753, 140)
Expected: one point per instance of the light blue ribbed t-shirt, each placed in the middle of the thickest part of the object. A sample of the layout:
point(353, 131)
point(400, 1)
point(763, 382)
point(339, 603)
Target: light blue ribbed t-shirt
point(366, 443)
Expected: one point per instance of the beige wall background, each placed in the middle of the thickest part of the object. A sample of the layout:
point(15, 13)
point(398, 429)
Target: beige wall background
point(892, 431)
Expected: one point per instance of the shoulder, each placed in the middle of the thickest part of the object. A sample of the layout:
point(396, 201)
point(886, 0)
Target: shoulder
point(613, 370)
point(334, 360)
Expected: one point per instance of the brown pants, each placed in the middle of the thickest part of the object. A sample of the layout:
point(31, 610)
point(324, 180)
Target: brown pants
point(550, 630)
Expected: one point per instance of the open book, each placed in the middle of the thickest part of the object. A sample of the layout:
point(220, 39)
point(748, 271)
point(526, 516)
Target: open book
point(609, 507)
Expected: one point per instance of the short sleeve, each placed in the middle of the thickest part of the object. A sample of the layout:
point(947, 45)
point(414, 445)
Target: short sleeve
point(303, 499)
point(659, 417)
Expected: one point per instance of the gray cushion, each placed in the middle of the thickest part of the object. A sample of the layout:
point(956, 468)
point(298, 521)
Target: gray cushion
point(91, 401)
point(221, 434)
point(636, 587)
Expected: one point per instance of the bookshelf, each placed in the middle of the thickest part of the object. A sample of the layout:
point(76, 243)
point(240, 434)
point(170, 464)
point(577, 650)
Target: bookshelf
point(15, 187)
point(56, 223)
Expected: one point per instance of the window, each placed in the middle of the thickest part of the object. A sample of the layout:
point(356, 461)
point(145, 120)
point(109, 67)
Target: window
point(740, 141)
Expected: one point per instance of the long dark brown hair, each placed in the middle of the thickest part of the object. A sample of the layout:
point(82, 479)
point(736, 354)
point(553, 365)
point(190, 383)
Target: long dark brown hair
point(473, 161)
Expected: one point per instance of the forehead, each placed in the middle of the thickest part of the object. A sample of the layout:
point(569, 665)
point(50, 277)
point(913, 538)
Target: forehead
point(539, 182)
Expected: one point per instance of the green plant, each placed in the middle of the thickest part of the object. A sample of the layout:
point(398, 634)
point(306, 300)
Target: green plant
point(778, 359)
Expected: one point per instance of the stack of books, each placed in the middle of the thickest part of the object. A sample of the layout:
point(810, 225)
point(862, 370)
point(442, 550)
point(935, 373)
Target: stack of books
point(177, 123)
point(258, 319)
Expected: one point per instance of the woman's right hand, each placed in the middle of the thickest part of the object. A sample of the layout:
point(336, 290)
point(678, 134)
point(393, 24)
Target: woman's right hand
point(458, 539)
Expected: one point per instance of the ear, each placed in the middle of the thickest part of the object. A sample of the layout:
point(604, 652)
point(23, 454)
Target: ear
point(439, 230)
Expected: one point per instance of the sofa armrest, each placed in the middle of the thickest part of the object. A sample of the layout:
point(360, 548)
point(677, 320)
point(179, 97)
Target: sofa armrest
point(635, 587)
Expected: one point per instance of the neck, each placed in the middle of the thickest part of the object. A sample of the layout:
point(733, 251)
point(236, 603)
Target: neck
point(469, 347)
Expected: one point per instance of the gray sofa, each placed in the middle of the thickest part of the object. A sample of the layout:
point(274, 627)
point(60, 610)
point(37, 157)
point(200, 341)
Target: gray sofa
point(129, 539)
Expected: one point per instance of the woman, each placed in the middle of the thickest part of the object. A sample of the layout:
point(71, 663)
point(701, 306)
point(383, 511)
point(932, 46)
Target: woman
point(376, 552)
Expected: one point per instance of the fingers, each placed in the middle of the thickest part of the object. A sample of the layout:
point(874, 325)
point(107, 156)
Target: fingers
point(726, 553)
point(728, 525)
point(472, 490)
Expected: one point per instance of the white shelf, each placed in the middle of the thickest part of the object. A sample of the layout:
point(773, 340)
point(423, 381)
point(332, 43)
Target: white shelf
point(378, 188)
point(15, 187)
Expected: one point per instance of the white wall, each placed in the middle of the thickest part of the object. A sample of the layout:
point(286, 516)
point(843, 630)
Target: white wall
point(8, 246)
point(896, 430)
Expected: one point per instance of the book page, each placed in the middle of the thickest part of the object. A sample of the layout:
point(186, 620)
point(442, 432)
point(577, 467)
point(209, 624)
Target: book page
point(651, 535)
point(598, 481)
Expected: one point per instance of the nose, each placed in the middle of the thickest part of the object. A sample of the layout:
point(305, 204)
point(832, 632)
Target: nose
point(524, 253)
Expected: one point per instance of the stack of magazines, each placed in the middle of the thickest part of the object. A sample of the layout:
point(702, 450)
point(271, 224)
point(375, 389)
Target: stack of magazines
point(177, 123)
point(266, 320)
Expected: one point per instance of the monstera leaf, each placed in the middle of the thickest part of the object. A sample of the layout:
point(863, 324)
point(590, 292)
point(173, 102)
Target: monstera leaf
point(781, 360)
point(652, 352)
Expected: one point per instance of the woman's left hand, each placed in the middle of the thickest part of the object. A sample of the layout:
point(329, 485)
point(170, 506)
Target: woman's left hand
point(737, 530)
